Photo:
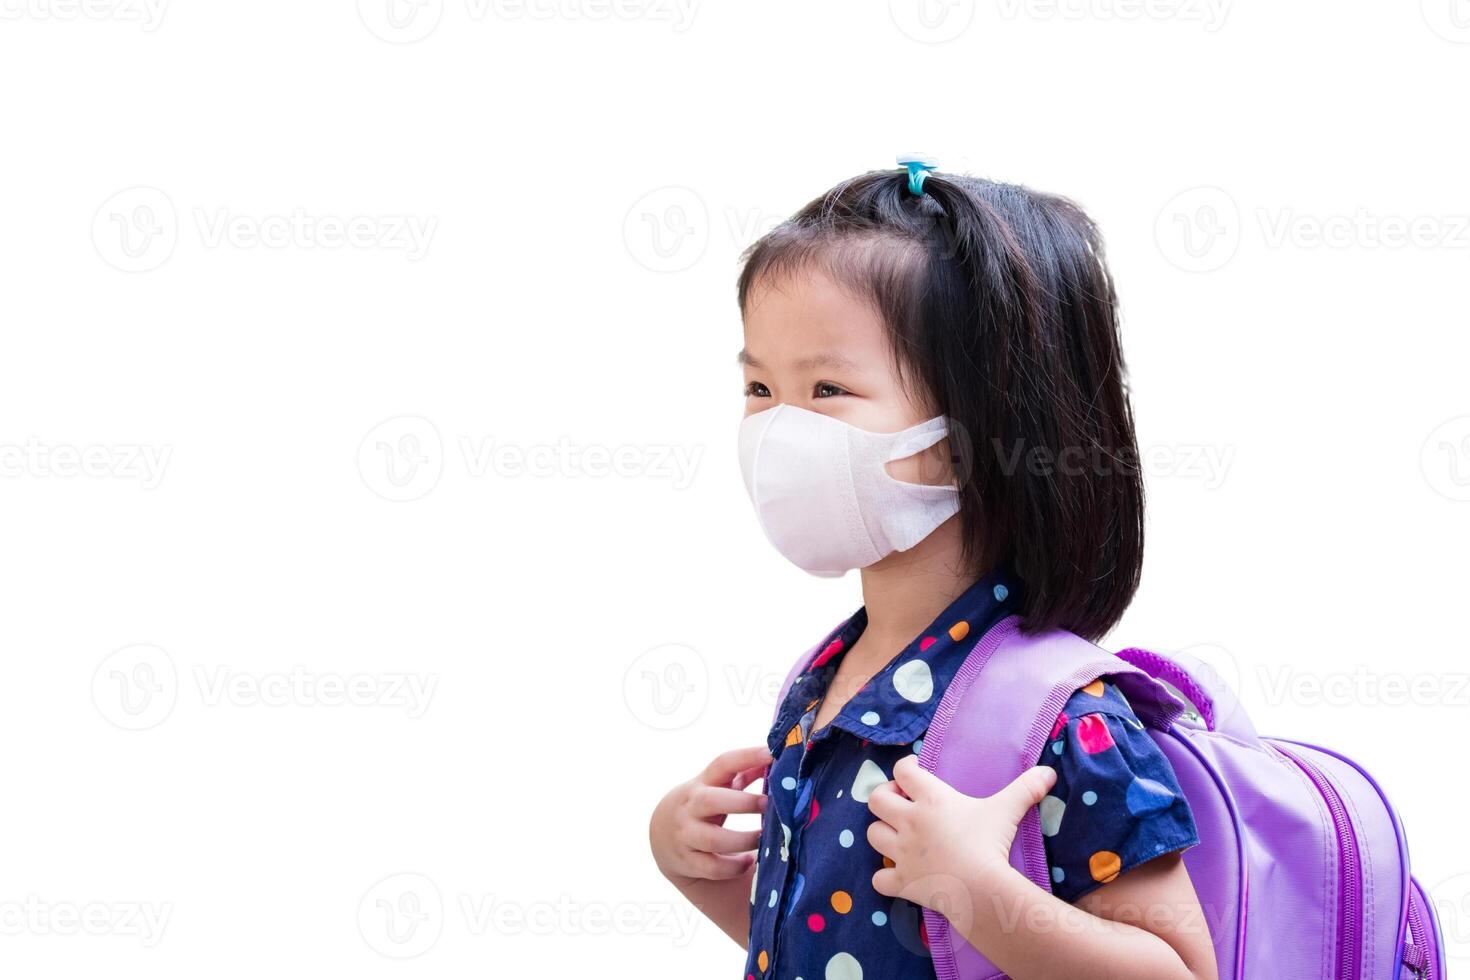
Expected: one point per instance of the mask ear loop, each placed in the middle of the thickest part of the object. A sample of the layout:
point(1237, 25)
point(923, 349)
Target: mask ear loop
point(911, 442)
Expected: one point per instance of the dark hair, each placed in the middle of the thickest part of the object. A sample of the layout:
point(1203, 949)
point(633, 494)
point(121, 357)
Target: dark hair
point(1002, 316)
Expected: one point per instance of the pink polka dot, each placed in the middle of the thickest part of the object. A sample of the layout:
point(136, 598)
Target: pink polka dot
point(828, 652)
point(926, 643)
point(815, 922)
point(815, 807)
point(1057, 728)
point(1093, 734)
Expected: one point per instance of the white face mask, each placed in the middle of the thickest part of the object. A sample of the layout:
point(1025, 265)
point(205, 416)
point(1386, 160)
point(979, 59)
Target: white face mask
point(824, 496)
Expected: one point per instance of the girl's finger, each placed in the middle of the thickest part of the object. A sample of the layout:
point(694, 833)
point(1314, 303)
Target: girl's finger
point(710, 839)
point(717, 867)
point(888, 804)
point(886, 882)
point(727, 765)
point(747, 777)
point(717, 801)
point(883, 838)
point(913, 778)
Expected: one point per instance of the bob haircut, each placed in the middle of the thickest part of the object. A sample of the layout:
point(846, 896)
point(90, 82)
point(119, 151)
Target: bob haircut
point(1002, 317)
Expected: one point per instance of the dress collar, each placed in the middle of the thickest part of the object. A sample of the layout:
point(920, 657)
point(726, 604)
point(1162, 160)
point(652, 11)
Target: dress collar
point(897, 703)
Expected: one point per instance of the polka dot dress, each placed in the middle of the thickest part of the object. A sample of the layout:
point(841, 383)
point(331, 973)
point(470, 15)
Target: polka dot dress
point(814, 913)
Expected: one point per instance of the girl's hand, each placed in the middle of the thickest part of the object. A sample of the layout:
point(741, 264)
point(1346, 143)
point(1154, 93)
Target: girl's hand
point(945, 845)
point(687, 832)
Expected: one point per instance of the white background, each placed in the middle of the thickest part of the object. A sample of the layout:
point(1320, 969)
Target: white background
point(247, 462)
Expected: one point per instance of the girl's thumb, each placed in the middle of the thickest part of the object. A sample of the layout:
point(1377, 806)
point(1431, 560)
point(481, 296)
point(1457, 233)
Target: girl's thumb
point(1026, 790)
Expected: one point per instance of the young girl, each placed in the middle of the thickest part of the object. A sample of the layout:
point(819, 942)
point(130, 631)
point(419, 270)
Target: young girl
point(934, 394)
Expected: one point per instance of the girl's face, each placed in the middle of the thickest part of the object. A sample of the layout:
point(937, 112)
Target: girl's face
point(810, 344)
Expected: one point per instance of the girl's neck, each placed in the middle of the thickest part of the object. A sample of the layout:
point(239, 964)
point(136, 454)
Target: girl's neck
point(906, 590)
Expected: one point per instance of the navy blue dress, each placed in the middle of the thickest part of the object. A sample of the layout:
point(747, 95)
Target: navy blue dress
point(814, 913)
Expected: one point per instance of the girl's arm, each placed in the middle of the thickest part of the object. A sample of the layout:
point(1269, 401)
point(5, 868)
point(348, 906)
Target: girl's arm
point(951, 852)
point(1147, 925)
point(709, 863)
point(725, 903)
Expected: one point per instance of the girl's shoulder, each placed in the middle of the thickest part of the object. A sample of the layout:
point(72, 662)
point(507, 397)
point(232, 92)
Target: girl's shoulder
point(1098, 698)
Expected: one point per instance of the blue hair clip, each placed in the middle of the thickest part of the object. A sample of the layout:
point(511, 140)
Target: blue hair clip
point(918, 165)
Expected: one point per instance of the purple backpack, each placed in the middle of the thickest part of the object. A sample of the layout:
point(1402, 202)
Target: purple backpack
point(1297, 831)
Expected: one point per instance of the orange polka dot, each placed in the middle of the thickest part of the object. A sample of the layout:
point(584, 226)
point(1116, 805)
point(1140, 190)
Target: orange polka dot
point(959, 630)
point(813, 703)
point(763, 961)
point(842, 902)
point(1104, 865)
point(888, 863)
point(793, 737)
point(1095, 688)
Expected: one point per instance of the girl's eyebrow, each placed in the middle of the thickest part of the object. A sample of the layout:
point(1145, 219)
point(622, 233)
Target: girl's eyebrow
point(832, 358)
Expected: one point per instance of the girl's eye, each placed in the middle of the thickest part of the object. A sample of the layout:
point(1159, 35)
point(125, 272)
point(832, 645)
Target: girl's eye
point(825, 389)
point(757, 390)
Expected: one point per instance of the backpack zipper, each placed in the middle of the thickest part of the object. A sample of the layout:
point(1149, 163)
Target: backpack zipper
point(1418, 951)
point(1349, 913)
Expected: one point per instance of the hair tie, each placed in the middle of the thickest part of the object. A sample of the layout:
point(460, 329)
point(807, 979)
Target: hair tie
point(918, 165)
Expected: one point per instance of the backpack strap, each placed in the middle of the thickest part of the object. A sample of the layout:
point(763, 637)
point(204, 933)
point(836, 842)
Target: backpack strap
point(991, 725)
